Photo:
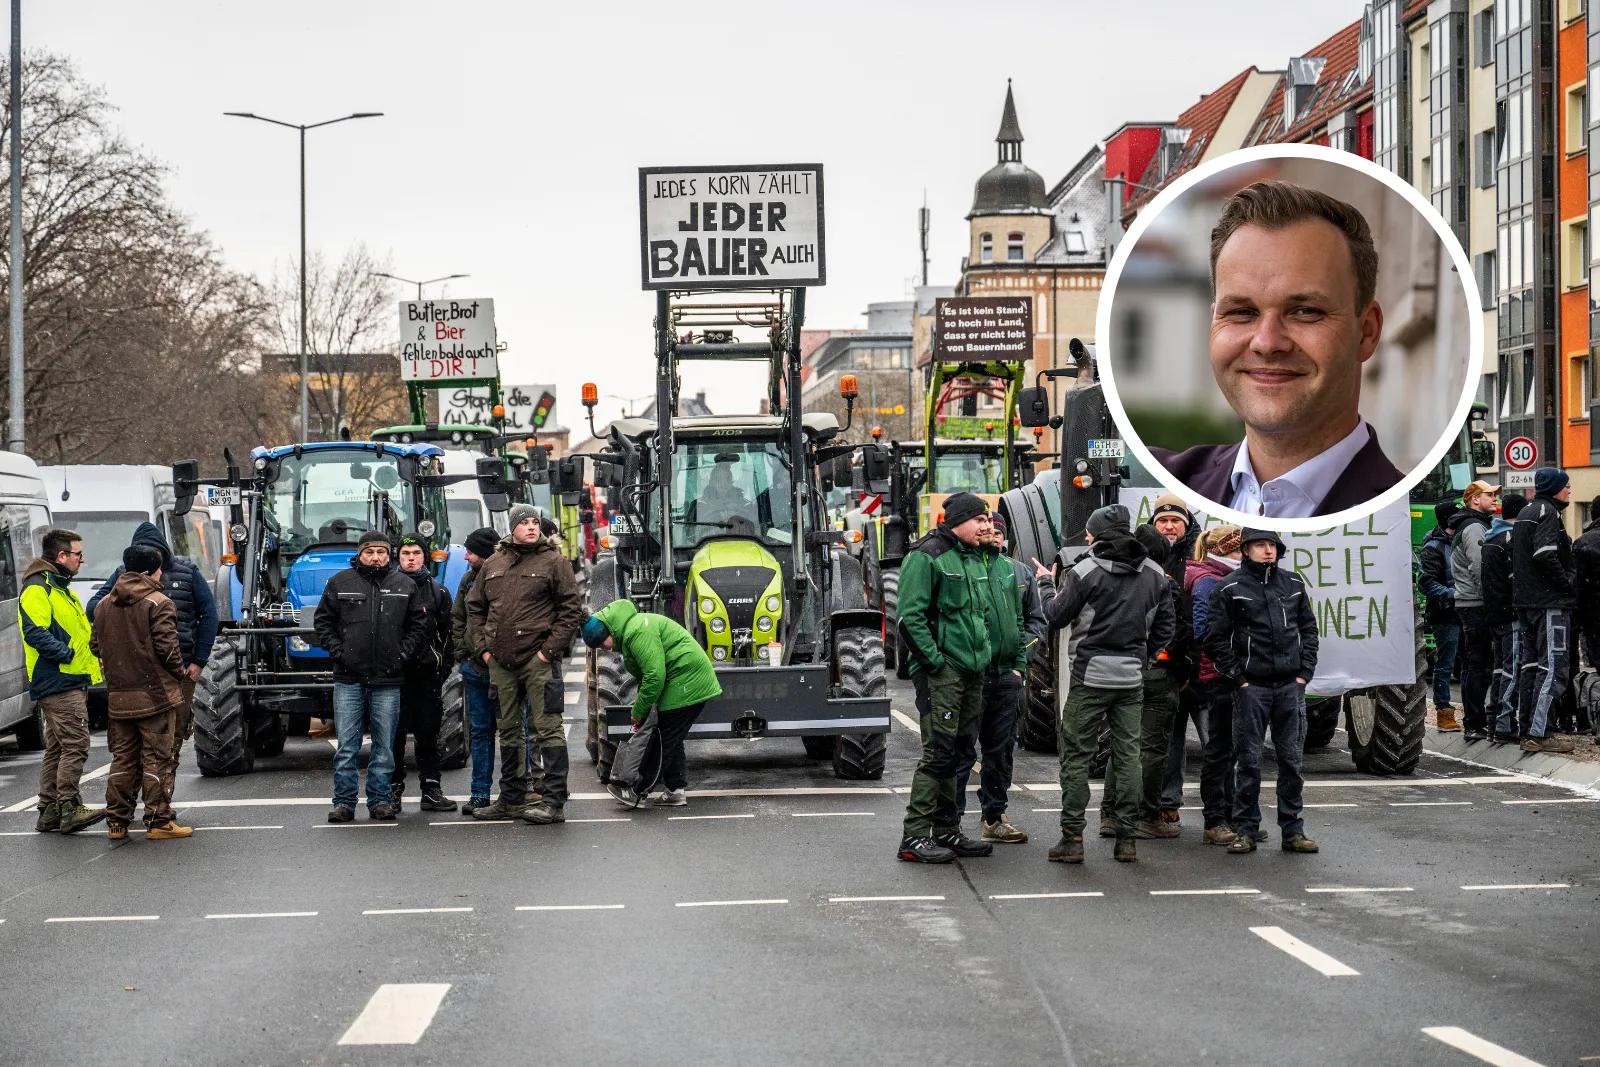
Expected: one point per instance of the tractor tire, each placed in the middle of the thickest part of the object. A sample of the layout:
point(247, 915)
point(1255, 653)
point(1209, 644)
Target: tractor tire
point(222, 729)
point(1386, 724)
point(609, 684)
point(1322, 720)
point(1587, 690)
point(30, 731)
point(893, 655)
point(1037, 730)
point(860, 757)
point(453, 724)
point(820, 747)
point(268, 738)
point(602, 584)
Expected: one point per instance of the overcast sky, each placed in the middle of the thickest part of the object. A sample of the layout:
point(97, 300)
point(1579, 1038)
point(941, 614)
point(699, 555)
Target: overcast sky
point(512, 131)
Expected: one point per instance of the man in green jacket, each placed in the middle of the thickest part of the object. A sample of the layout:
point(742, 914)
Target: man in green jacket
point(675, 678)
point(949, 628)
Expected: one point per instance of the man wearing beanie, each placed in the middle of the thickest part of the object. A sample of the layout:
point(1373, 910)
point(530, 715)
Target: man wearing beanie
point(1116, 600)
point(1543, 590)
point(1481, 500)
point(1501, 611)
point(372, 620)
point(947, 622)
point(1586, 562)
point(1216, 557)
point(522, 613)
point(1439, 610)
point(136, 638)
point(481, 713)
point(1175, 523)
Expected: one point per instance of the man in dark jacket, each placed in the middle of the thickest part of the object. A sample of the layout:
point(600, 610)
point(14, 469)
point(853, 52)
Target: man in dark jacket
point(1477, 634)
point(481, 713)
point(1118, 603)
point(1586, 562)
point(196, 610)
point(1543, 590)
point(522, 613)
point(1175, 523)
point(1501, 612)
point(421, 708)
point(1262, 635)
point(1439, 606)
point(372, 620)
point(948, 628)
point(136, 638)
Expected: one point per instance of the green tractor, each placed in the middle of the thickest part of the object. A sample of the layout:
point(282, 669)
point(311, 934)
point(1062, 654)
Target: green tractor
point(719, 522)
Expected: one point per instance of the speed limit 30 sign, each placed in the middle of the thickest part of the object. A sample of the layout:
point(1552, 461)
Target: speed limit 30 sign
point(1521, 453)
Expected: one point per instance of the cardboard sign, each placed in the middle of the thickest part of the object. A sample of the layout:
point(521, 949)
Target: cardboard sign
point(979, 328)
point(731, 227)
point(529, 408)
point(447, 340)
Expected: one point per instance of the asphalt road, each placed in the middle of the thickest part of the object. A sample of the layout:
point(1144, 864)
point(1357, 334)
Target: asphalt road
point(770, 922)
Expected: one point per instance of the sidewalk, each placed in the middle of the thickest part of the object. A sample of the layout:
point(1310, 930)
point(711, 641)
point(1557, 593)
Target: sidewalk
point(1579, 768)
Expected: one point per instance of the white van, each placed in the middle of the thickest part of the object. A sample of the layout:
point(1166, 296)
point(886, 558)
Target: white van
point(463, 500)
point(24, 517)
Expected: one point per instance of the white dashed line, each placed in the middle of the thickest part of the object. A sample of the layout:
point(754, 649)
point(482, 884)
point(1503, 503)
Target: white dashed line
point(1556, 800)
point(1475, 1046)
point(907, 721)
point(724, 903)
point(687, 818)
point(369, 825)
point(571, 907)
point(472, 822)
point(870, 900)
point(1330, 805)
point(1316, 959)
point(827, 814)
point(619, 818)
point(413, 911)
point(333, 743)
point(1042, 896)
point(263, 915)
point(1360, 889)
point(396, 1015)
point(1519, 885)
point(1430, 803)
point(103, 919)
point(1202, 892)
point(213, 829)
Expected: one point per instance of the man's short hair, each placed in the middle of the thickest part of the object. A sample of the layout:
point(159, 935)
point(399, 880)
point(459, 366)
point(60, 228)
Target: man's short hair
point(57, 541)
point(1274, 205)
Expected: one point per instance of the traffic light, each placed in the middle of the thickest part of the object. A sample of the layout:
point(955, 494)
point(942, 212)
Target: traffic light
point(541, 410)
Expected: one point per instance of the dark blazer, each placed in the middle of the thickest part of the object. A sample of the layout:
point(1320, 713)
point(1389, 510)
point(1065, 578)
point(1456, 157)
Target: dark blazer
point(1208, 470)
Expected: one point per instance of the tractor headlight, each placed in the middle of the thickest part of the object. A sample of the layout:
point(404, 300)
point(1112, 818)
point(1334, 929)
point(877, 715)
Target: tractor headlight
point(764, 623)
point(719, 625)
point(773, 603)
point(707, 605)
point(719, 653)
point(762, 652)
point(299, 644)
point(261, 463)
point(239, 531)
point(426, 527)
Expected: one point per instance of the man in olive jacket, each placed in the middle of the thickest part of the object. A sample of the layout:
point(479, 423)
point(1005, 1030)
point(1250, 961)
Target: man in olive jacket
point(522, 614)
point(947, 623)
point(675, 678)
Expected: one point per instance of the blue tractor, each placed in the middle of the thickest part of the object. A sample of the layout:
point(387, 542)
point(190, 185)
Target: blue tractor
point(296, 516)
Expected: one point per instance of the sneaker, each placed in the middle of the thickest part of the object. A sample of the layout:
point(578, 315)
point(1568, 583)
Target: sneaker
point(923, 850)
point(1218, 835)
point(1502, 739)
point(1002, 832)
point(672, 798)
point(1146, 830)
point(543, 813)
point(49, 818)
point(382, 812)
point(75, 817)
point(433, 799)
point(624, 795)
point(1108, 826)
point(1170, 815)
point(1126, 851)
point(961, 844)
point(1259, 836)
point(1532, 744)
point(1472, 736)
point(1241, 844)
point(342, 813)
point(171, 830)
point(499, 811)
point(1068, 850)
point(472, 805)
point(116, 831)
point(1299, 843)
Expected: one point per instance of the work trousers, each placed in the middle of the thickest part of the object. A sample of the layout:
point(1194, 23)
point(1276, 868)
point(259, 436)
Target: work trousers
point(1477, 667)
point(1159, 722)
point(141, 754)
point(1216, 768)
point(514, 687)
point(954, 702)
point(997, 738)
point(1191, 708)
point(481, 721)
point(421, 713)
point(1503, 689)
point(66, 744)
point(1258, 707)
point(1543, 667)
point(1446, 644)
point(673, 728)
point(1078, 737)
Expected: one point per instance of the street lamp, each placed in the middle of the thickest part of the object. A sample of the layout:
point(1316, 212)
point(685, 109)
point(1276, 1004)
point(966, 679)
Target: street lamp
point(412, 281)
point(305, 394)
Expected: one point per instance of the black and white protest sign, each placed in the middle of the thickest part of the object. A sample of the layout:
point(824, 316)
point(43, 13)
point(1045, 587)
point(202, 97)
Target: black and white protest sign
point(983, 328)
point(731, 227)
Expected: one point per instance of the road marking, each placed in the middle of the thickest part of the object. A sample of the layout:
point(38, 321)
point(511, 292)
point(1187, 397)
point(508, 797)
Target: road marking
point(619, 818)
point(724, 903)
point(1316, 959)
point(213, 828)
point(368, 825)
point(33, 801)
point(1360, 783)
point(868, 900)
point(103, 919)
point(571, 698)
point(412, 911)
point(1202, 892)
point(1430, 803)
point(1475, 1046)
point(1330, 805)
point(1520, 885)
point(827, 814)
point(472, 822)
point(396, 1014)
point(907, 721)
point(1361, 889)
point(1547, 800)
point(1042, 896)
point(686, 818)
point(333, 743)
point(570, 907)
point(263, 915)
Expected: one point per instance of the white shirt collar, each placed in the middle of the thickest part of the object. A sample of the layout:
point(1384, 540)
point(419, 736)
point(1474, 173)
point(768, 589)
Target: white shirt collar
point(1295, 494)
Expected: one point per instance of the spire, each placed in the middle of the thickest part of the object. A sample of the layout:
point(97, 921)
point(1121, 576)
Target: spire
point(1010, 135)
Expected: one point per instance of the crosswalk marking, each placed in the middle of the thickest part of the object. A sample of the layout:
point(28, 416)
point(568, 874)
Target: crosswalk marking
point(397, 1014)
point(1316, 959)
point(1475, 1046)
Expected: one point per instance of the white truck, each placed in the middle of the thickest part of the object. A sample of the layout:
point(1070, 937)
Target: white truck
point(24, 517)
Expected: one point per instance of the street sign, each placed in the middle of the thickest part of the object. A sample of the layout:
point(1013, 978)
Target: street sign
point(1106, 448)
point(529, 408)
point(1519, 480)
point(731, 227)
point(1521, 453)
point(447, 340)
point(221, 495)
point(979, 328)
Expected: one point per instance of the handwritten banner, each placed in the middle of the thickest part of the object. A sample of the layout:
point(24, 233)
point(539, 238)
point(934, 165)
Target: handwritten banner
point(731, 227)
point(447, 340)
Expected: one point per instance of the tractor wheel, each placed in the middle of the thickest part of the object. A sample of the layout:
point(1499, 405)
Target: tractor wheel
point(610, 684)
point(1385, 725)
point(1588, 694)
point(860, 757)
point(1037, 730)
point(30, 731)
point(222, 741)
point(453, 724)
point(1322, 719)
point(893, 655)
point(821, 746)
point(268, 738)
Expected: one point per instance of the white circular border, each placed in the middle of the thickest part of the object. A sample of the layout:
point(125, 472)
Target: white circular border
point(1106, 360)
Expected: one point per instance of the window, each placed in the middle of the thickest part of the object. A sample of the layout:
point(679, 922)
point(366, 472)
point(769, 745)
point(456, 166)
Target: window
point(1486, 396)
point(1527, 382)
point(1577, 127)
point(1013, 248)
point(1571, 9)
point(1483, 159)
point(1133, 350)
point(1580, 380)
point(9, 588)
point(105, 535)
point(1483, 270)
point(332, 496)
point(1483, 36)
point(1075, 242)
point(1575, 253)
point(724, 486)
point(985, 248)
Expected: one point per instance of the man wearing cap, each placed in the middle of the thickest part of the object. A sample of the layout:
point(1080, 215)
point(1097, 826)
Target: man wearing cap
point(421, 697)
point(1502, 614)
point(1174, 522)
point(1439, 610)
point(1543, 588)
point(522, 613)
point(481, 712)
point(948, 627)
point(1116, 600)
point(371, 620)
point(1262, 636)
point(1481, 500)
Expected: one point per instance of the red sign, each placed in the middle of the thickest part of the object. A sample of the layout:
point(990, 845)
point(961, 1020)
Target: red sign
point(1521, 453)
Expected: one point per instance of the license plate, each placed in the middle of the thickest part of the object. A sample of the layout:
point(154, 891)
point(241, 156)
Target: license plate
point(1106, 448)
point(222, 495)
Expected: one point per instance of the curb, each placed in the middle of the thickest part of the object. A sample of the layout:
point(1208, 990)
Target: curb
point(1544, 766)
